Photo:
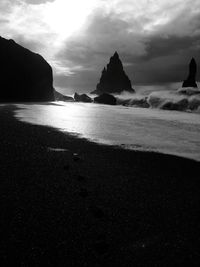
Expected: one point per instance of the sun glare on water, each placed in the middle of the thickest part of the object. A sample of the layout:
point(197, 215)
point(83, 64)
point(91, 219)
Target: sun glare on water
point(65, 17)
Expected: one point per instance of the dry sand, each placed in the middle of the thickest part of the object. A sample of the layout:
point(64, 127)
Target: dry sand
point(68, 202)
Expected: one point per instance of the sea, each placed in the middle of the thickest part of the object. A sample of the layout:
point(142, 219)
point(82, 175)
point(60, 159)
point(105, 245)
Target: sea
point(139, 129)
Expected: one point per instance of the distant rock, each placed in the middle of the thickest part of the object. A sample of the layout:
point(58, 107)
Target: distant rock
point(139, 101)
point(188, 91)
point(82, 98)
point(174, 101)
point(194, 102)
point(25, 76)
point(113, 79)
point(106, 99)
point(180, 105)
point(61, 97)
point(168, 100)
point(191, 80)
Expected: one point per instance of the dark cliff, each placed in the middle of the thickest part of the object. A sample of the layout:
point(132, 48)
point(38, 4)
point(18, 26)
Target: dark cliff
point(113, 78)
point(25, 76)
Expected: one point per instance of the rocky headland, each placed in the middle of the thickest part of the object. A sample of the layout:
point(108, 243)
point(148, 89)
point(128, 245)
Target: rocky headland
point(25, 76)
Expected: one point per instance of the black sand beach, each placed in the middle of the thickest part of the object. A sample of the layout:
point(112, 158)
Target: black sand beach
point(93, 205)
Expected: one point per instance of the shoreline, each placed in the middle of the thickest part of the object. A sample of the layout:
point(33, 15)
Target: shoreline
point(133, 137)
point(93, 205)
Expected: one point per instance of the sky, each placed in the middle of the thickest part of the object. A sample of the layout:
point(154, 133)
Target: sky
point(155, 39)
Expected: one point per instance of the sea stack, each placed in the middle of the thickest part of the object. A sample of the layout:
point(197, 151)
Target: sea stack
point(191, 80)
point(113, 78)
point(25, 76)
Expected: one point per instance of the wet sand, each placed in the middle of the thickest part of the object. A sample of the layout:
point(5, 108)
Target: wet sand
point(69, 202)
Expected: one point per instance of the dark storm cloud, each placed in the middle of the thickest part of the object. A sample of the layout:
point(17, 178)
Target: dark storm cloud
point(155, 39)
point(104, 35)
point(163, 64)
point(159, 57)
point(167, 59)
point(159, 46)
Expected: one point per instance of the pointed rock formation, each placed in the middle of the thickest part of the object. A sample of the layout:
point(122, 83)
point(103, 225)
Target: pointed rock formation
point(113, 79)
point(191, 80)
point(25, 76)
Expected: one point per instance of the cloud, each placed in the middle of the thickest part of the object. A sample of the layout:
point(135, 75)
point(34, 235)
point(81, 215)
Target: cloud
point(3, 20)
point(158, 46)
point(92, 48)
point(36, 2)
point(24, 23)
point(155, 39)
point(33, 45)
point(152, 52)
point(104, 35)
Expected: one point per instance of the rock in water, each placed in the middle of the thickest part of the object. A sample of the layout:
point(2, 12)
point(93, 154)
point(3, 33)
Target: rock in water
point(82, 98)
point(25, 76)
point(60, 97)
point(105, 99)
point(191, 80)
point(113, 79)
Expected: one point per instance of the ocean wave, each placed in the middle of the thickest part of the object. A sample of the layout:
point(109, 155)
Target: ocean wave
point(183, 99)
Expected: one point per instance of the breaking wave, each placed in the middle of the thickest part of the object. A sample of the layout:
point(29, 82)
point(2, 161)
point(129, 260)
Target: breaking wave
point(183, 99)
